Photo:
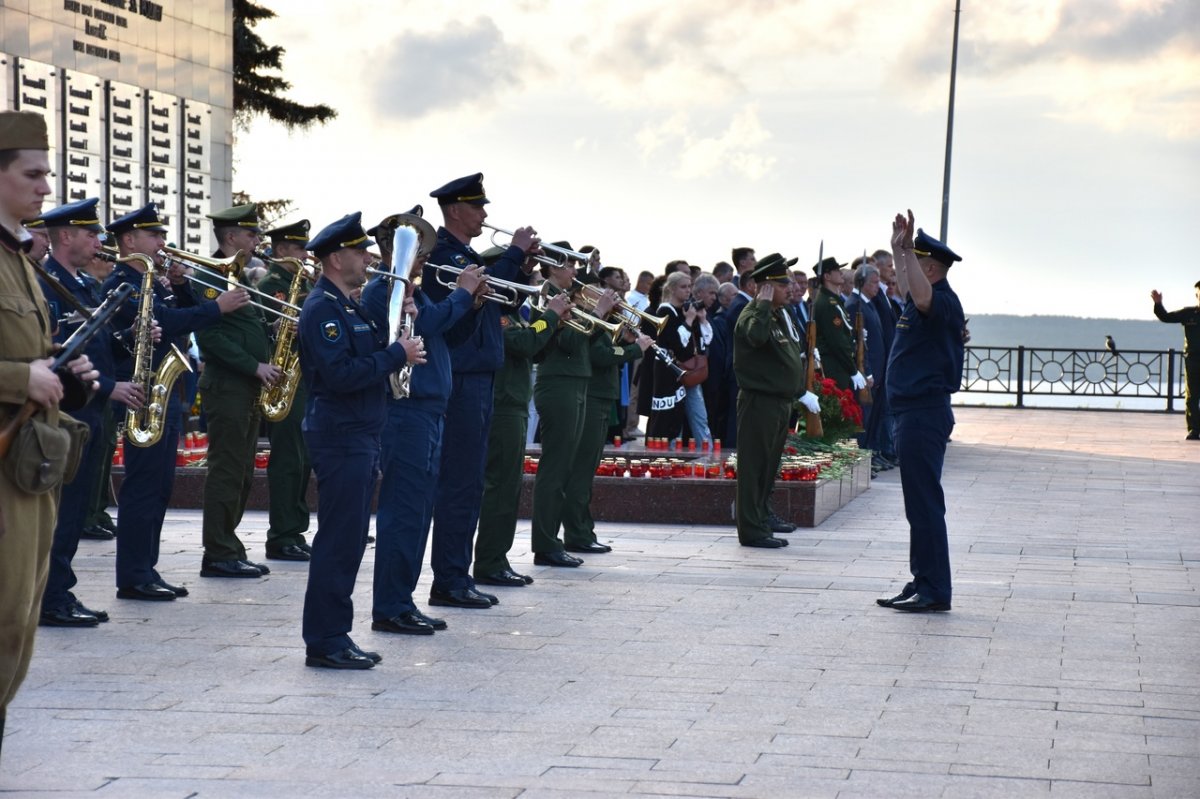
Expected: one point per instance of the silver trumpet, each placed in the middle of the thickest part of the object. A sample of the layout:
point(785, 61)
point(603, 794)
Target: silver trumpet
point(503, 291)
point(573, 255)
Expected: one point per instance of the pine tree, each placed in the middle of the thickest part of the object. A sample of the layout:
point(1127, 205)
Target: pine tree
point(256, 93)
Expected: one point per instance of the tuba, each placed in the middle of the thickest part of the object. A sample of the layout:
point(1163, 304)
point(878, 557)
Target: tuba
point(276, 400)
point(144, 428)
point(412, 238)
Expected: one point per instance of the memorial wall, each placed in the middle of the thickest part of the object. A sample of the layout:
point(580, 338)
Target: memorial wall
point(139, 100)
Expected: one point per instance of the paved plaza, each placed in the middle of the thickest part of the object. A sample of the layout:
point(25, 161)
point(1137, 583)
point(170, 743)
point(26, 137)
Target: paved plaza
point(684, 665)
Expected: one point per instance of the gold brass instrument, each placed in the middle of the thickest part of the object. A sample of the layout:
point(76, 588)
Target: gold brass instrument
point(580, 320)
point(144, 427)
point(276, 400)
point(591, 293)
point(224, 274)
point(503, 291)
point(107, 253)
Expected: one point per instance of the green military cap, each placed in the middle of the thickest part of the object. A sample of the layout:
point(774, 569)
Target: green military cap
point(242, 216)
point(297, 231)
point(772, 267)
point(23, 130)
point(826, 266)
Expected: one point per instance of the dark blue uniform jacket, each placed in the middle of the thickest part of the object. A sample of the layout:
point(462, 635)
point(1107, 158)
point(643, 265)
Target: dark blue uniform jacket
point(927, 356)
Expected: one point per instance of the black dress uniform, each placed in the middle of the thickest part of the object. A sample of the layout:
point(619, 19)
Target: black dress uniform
point(150, 471)
point(1190, 319)
point(924, 370)
point(345, 360)
point(768, 357)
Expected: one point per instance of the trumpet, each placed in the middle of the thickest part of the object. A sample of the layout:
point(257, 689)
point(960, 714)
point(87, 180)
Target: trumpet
point(590, 294)
point(580, 320)
point(503, 291)
point(573, 255)
point(223, 272)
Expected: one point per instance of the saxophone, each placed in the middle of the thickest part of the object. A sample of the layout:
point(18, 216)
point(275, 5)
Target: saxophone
point(276, 400)
point(144, 428)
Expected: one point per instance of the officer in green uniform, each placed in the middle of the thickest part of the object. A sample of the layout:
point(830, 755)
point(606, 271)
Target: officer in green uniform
point(768, 358)
point(835, 333)
point(237, 363)
point(560, 396)
point(289, 468)
point(603, 391)
point(506, 440)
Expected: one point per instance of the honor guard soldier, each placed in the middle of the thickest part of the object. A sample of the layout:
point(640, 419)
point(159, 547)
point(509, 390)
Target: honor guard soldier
point(523, 343)
point(835, 331)
point(150, 471)
point(768, 357)
point(288, 469)
point(27, 511)
point(412, 437)
point(346, 360)
point(925, 368)
point(72, 230)
point(474, 362)
point(237, 364)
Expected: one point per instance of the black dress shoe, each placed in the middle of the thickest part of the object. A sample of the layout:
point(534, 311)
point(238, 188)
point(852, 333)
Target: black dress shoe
point(405, 624)
point(435, 623)
point(101, 615)
point(459, 598)
point(770, 542)
point(374, 657)
point(228, 568)
point(288, 552)
point(96, 533)
point(905, 593)
point(556, 559)
point(262, 567)
point(349, 658)
point(150, 592)
point(69, 616)
point(306, 547)
point(495, 600)
point(1192, 437)
point(919, 604)
point(504, 577)
point(177, 590)
point(779, 525)
point(595, 547)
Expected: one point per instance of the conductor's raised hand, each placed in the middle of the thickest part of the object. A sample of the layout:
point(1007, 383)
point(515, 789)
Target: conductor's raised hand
point(1156, 296)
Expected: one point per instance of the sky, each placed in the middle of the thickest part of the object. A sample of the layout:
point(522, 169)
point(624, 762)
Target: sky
point(660, 130)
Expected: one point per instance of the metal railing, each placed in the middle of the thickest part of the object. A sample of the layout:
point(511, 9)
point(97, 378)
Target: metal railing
point(1035, 371)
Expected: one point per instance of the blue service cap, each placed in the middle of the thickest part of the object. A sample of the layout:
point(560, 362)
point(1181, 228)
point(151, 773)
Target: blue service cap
point(346, 232)
point(463, 190)
point(144, 218)
point(80, 214)
point(929, 247)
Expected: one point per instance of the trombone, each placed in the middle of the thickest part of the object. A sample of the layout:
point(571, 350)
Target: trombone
point(224, 269)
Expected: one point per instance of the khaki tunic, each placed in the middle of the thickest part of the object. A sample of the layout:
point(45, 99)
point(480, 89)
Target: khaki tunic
point(26, 520)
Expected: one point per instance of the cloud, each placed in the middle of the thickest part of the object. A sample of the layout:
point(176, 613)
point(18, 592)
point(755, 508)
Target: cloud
point(422, 73)
point(737, 150)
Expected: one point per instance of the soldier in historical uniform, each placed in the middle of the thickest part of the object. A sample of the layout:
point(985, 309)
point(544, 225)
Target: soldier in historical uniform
point(768, 357)
point(835, 330)
point(289, 468)
point(346, 360)
point(924, 370)
point(26, 512)
point(1190, 319)
point(237, 364)
point(523, 342)
point(474, 362)
point(72, 230)
point(150, 471)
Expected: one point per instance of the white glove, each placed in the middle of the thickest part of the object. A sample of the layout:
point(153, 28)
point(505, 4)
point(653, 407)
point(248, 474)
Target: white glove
point(857, 381)
point(809, 400)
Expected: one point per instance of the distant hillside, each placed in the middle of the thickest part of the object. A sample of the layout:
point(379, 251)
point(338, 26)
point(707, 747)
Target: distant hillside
point(1069, 332)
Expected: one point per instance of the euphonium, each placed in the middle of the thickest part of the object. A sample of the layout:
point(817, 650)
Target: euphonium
point(276, 400)
point(413, 237)
point(145, 427)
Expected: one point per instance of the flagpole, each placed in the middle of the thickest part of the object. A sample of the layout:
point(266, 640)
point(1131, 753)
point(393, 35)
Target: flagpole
point(950, 126)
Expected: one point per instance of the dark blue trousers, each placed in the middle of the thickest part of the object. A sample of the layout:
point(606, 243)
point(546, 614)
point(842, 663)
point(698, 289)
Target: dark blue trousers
point(921, 436)
point(460, 487)
point(347, 468)
point(142, 503)
point(73, 507)
point(410, 458)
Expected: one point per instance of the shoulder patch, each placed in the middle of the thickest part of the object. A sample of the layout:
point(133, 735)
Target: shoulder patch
point(461, 260)
point(539, 326)
point(331, 331)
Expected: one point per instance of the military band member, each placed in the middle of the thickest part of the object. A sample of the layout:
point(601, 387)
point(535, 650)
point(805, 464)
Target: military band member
point(924, 369)
point(768, 357)
point(474, 363)
point(72, 230)
point(150, 471)
point(237, 364)
point(523, 342)
point(26, 519)
point(346, 360)
point(289, 468)
point(40, 243)
point(411, 454)
point(835, 330)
